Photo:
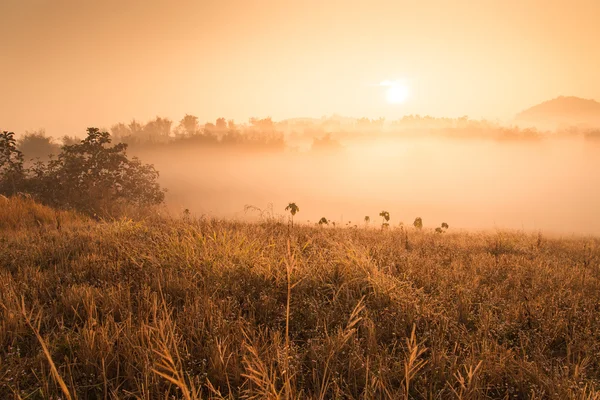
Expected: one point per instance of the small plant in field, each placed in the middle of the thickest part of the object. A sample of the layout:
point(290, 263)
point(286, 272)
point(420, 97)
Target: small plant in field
point(293, 209)
point(367, 219)
point(442, 228)
point(418, 223)
point(267, 214)
point(323, 221)
point(385, 218)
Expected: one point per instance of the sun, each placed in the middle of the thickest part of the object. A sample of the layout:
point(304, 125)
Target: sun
point(397, 93)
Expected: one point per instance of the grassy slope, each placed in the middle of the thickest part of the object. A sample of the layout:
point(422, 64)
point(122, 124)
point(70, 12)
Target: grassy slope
point(125, 306)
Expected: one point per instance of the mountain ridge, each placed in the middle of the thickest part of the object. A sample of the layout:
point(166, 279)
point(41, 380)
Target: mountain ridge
point(562, 111)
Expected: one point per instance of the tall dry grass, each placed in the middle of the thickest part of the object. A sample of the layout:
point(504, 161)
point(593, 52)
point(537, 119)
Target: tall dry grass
point(166, 308)
point(21, 212)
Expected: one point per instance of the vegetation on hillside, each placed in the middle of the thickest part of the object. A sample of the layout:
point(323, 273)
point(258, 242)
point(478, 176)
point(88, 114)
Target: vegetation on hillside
point(184, 308)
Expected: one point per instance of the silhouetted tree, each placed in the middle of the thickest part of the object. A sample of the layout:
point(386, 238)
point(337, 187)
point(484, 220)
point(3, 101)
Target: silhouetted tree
point(158, 130)
point(69, 140)
point(11, 165)
point(265, 125)
point(188, 126)
point(221, 125)
point(36, 145)
point(120, 132)
point(209, 128)
point(96, 178)
point(135, 129)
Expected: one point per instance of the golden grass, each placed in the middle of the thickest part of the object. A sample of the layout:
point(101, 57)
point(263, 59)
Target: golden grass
point(165, 308)
point(21, 212)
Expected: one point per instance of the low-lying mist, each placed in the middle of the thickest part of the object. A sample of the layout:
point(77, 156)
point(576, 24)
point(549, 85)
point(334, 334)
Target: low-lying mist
point(552, 185)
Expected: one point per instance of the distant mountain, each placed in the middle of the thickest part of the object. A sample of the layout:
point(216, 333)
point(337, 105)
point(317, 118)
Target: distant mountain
point(560, 112)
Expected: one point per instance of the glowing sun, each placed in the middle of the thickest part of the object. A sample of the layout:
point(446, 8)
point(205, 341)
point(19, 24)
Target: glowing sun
point(396, 93)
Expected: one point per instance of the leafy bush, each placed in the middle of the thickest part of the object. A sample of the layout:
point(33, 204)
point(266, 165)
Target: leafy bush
point(11, 164)
point(91, 176)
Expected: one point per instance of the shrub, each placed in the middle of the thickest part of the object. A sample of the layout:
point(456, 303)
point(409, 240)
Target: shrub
point(91, 176)
point(11, 165)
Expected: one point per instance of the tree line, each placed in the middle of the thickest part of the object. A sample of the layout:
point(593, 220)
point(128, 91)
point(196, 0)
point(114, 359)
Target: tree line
point(264, 134)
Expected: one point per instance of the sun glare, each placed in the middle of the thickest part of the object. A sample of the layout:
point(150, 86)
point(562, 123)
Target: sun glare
point(397, 93)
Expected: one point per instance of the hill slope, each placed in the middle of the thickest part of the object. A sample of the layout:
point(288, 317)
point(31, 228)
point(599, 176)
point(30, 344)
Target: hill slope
point(562, 111)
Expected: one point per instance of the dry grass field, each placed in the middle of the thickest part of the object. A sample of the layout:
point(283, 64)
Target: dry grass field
point(159, 307)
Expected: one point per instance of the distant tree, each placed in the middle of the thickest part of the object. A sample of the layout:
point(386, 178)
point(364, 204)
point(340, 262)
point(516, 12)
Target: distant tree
point(120, 133)
point(438, 230)
point(263, 125)
point(36, 145)
point(11, 165)
point(221, 125)
point(209, 128)
point(323, 221)
point(136, 130)
point(69, 140)
point(293, 209)
point(367, 219)
point(445, 225)
point(188, 126)
point(158, 130)
point(418, 223)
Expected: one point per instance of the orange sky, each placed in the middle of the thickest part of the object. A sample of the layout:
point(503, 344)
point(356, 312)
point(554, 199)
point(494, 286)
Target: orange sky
point(67, 65)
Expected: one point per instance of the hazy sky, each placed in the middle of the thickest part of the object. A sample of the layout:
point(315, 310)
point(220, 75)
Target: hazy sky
point(71, 64)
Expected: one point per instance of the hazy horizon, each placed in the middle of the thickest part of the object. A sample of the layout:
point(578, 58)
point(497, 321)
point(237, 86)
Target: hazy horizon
point(75, 64)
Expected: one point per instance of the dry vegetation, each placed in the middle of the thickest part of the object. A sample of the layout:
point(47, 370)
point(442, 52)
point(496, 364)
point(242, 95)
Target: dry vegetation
point(180, 308)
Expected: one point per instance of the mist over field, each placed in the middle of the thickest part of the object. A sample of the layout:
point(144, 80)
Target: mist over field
point(289, 200)
point(551, 185)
